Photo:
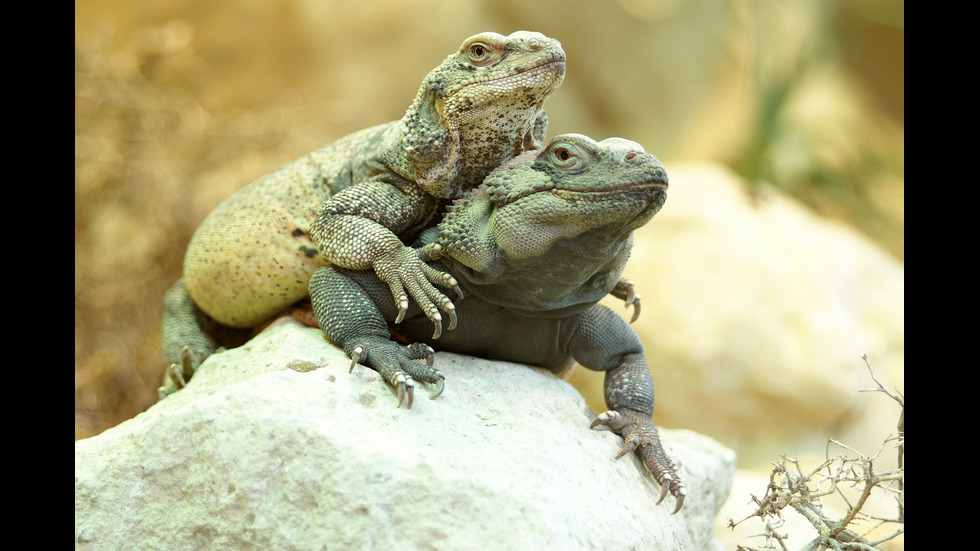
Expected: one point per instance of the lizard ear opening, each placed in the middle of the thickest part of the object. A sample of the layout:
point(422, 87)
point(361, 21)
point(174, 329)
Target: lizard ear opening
point(432, 146)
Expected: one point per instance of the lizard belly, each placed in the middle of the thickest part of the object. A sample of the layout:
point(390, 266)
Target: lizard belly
point(494, 332)
point(242, 270)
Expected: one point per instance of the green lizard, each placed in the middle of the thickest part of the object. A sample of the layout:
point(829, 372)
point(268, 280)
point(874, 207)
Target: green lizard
point(534, 248)
point(355, 202)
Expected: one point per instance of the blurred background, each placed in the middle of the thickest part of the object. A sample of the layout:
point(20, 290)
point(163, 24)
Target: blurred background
point(179, 103)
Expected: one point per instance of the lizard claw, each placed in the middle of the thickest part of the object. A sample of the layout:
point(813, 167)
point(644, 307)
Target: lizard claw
point(405, 388)
point(607, 418)
point(636, 308)
point(402, 307)
point(177, 377)
point(440, 386)
point(663, 492)
point(436, 318)
point(355, 357)
point(665, 488)
point(680, 503)
point(628, 447)
point(625, 289)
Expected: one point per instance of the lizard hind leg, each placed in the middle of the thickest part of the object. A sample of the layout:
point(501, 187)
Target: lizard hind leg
point(350, 318)
point(187, 341)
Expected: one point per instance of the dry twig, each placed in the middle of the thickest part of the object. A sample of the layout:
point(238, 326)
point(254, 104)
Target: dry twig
point(789, 486)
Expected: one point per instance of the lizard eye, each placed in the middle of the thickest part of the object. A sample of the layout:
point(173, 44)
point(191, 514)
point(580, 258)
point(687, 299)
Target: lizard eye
point(479, 53)
point(564, 157)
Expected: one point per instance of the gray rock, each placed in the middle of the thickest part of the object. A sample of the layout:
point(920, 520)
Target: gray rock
point(275, 446)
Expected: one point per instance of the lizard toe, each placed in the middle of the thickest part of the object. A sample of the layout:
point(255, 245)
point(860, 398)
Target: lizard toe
point(405, 389)
point(440, 386)
point(428, 375)
point(434, 304)
point(611, 419)
point(442, 278)
point(628, 446)
point(450, 310)
point(436, 318)
point(402, 302)
point(179, 374)
point(355, 357)
point(625, 289)
point(450, 281)
point(680, 503)
point(636, 308)
point(641, 435)
point(420, 351)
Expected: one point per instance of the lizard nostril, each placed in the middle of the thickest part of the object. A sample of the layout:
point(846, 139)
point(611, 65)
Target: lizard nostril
point(629, 157)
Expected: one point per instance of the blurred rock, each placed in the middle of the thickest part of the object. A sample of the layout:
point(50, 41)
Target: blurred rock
point(274, 445)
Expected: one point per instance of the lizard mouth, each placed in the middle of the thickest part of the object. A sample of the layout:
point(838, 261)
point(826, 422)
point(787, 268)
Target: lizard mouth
point(556, 65)
point(613, 190)
point(646, 190)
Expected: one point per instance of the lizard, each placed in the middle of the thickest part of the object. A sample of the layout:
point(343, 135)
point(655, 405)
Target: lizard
point(534, 247)
point(355, 202)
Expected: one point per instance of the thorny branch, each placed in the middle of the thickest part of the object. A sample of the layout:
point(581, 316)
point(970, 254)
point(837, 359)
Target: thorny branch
point(900, 398)
point(789, 486)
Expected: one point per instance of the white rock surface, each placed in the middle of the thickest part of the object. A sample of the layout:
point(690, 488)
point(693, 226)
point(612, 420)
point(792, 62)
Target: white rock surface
point(275, 446)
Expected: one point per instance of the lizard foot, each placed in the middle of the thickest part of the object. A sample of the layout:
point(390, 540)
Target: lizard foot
point(178, 375)
point(625, 290)
point(640, 434)
point(397, 367)
point(408, 276)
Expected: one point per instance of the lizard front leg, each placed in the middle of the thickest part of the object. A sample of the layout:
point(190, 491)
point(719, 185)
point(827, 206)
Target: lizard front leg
point(350, 319)
point(603, 341)
point(357, 230)
point(625, 290)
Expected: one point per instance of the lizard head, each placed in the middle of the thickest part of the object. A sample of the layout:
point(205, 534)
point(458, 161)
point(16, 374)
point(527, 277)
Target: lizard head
point(571, 206)
point(479, 108)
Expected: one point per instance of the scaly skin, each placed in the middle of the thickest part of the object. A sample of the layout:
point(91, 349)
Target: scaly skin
point(534, 249)
point(355, 202)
